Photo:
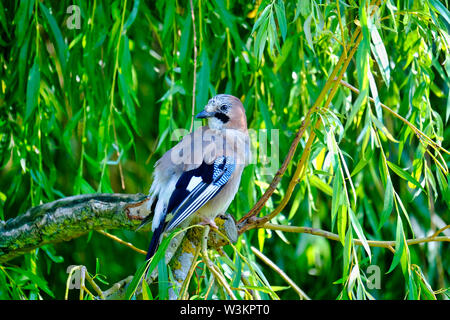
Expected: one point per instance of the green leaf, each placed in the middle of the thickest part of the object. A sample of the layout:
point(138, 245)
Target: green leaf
point(238, 272)
point(3, 19)
point(380, 54)
point(359, 232)
point(38, 281)
point(281, 17)
point(425, 287)
point(376, 98)
point(185, 43)
point(132, 15)
point(357, 107)
point(265, 115)
point(347, 253)
point(262, 18)
point(443, 185)
point(51, 253)
point(383, 129)
point(203, 81)
point(148, 266)
point(138, 276)
point(404, 175)
point(260, 40)
point(337, 196)
point(272, 34)
point(261, 238)
point(342, 223)
point(388, 204)
point(362, 54)
point(443, 11)
point(33, 85)
point(22, 20)
point(413, 292)
point(399, 244)
point(319, 184)
point(163, 280)
point(307, 30)
point(127, 102)
point(367, 157)
point(296, 204)
point(61, 47)
point(146, 292)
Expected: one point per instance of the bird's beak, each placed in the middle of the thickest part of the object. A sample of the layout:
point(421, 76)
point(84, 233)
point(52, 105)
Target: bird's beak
point(204, 114)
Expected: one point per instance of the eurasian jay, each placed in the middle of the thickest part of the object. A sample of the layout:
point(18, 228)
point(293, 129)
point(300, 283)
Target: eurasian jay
point(198, 178)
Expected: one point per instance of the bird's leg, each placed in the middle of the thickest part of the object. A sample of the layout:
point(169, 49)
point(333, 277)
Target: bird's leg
point(209, 222)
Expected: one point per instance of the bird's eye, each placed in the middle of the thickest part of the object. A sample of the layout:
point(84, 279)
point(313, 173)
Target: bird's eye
point(223, 107)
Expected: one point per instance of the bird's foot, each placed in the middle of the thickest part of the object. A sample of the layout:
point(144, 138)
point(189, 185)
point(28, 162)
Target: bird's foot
point(209, 222)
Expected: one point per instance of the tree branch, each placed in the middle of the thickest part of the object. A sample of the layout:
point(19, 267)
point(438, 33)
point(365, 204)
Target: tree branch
point(71, 217)
point(372, 243)
point(68, 218)
point(249, 221)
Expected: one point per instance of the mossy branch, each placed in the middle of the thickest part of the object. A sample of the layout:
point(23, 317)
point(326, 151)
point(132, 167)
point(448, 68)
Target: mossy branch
point(68, 218)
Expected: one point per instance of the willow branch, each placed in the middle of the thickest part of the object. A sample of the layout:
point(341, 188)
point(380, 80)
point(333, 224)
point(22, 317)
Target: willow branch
point(302, 295)
point(249, 221)
point(216, 273)
point(373, 243)
point(246, 223)
point(127, 244)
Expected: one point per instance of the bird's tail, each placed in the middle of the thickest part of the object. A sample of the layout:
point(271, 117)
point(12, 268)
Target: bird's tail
point(154, 243)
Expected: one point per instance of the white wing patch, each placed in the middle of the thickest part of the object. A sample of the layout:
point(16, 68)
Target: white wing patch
point(193, 183)
point(198, 202)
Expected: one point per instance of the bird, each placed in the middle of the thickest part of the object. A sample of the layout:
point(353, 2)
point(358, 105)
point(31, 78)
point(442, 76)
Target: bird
point(198, 178)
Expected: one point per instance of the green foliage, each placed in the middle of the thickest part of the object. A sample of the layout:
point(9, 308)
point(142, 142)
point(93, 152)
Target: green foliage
point(90, 109)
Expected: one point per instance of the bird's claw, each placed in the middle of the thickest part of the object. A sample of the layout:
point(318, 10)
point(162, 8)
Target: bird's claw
point(209, 222)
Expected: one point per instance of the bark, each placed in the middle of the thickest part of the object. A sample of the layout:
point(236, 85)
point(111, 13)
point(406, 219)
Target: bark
point(71, 217)
point(68, 218)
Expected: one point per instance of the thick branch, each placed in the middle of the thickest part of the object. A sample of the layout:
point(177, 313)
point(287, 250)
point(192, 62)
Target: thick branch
point(68, 218)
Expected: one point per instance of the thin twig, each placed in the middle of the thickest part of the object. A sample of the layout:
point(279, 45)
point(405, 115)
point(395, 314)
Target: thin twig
point(122, 179)
point(95, 286)
point(111, 104)
point(434, 235)
point(195, 65)
point(341, 27)
point(217, 275)
point(282, 274)
point(372, 243)
point(127, 244)
point(187, 280)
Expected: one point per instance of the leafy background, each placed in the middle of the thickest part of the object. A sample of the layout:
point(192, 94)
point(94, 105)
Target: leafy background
point(90, 109)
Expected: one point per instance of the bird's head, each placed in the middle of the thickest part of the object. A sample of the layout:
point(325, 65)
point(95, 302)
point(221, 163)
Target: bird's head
point(224, 111)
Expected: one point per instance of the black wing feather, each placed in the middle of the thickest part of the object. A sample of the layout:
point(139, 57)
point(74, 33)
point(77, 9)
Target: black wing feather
point(184, 202)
